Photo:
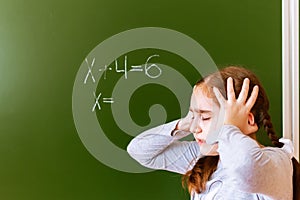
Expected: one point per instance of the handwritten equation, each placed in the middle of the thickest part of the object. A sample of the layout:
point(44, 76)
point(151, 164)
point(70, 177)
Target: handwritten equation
point(103, 100)
point(150, 70)
point(146, 67)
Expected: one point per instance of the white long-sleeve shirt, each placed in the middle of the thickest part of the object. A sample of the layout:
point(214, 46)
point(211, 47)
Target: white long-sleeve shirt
point(245, 171)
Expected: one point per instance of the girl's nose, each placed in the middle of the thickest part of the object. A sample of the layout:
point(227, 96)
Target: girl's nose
point(195, 128)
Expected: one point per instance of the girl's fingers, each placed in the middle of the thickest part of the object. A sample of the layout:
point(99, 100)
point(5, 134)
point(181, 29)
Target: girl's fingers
point(252, 99)
point(244, 92)
point(230, 90)
point(219, 96)
point(242, 96)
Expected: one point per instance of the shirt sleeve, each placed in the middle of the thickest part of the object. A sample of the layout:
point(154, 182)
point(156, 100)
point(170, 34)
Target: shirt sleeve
point(159, 148)
point(251, 168)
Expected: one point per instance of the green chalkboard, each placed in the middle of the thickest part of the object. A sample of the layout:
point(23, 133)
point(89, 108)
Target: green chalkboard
point(47, 93)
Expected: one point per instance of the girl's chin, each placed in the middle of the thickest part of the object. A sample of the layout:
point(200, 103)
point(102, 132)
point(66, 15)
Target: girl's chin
point(208, 149)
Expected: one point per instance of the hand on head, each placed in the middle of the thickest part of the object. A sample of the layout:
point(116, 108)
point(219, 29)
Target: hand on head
point(237, 112)
point(185, 123)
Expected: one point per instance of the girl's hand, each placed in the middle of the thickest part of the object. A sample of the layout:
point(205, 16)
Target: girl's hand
point(185, 123)
point(237, 111)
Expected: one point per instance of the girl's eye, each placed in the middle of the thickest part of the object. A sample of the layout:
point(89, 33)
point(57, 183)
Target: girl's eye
point(205, 118)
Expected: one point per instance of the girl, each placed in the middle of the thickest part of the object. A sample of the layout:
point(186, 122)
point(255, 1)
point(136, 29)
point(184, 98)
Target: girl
point(225, 161)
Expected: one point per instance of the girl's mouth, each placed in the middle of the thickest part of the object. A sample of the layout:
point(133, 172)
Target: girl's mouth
point(200, 141)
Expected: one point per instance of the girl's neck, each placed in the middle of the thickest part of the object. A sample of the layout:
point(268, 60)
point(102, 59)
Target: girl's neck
point(253, 136)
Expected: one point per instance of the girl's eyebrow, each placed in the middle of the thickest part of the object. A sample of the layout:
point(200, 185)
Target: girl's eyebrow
point(201, 111)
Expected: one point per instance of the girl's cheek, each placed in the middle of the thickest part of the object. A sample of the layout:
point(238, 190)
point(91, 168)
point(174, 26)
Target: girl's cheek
point(207, 124)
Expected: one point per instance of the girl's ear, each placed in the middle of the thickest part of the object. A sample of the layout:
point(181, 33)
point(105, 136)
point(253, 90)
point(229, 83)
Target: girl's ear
point(252, 126)
point(251, 120)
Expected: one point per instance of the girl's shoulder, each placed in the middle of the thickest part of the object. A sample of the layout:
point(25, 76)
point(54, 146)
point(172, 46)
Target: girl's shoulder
point(288, 147)
point(285, 153)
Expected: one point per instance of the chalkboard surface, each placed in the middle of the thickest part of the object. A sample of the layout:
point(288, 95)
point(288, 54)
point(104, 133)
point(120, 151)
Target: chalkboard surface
point(45, 44)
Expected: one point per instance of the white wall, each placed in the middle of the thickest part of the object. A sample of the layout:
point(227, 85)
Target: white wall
point(290, 71)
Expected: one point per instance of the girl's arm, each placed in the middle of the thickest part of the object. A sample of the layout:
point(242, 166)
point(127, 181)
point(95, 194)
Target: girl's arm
point(252, 168)
point(158, 149)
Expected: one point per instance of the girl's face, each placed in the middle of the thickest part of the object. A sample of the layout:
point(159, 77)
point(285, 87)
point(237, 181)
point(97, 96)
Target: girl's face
point(204, 112)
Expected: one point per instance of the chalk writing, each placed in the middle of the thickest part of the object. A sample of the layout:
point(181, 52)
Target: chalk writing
point(105, 69)
point(90, 67)
point(151, 70)
point(122, 70)
point(104, 100)
point(147, 68)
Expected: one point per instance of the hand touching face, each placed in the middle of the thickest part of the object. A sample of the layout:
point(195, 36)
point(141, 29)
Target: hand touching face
point(204, 112)
point(205, 117)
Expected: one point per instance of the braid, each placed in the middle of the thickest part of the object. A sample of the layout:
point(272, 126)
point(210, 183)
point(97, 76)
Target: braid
point(196, 178)
point(268, 126)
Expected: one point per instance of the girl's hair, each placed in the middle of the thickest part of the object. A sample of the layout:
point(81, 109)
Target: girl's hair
point(196, 179)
